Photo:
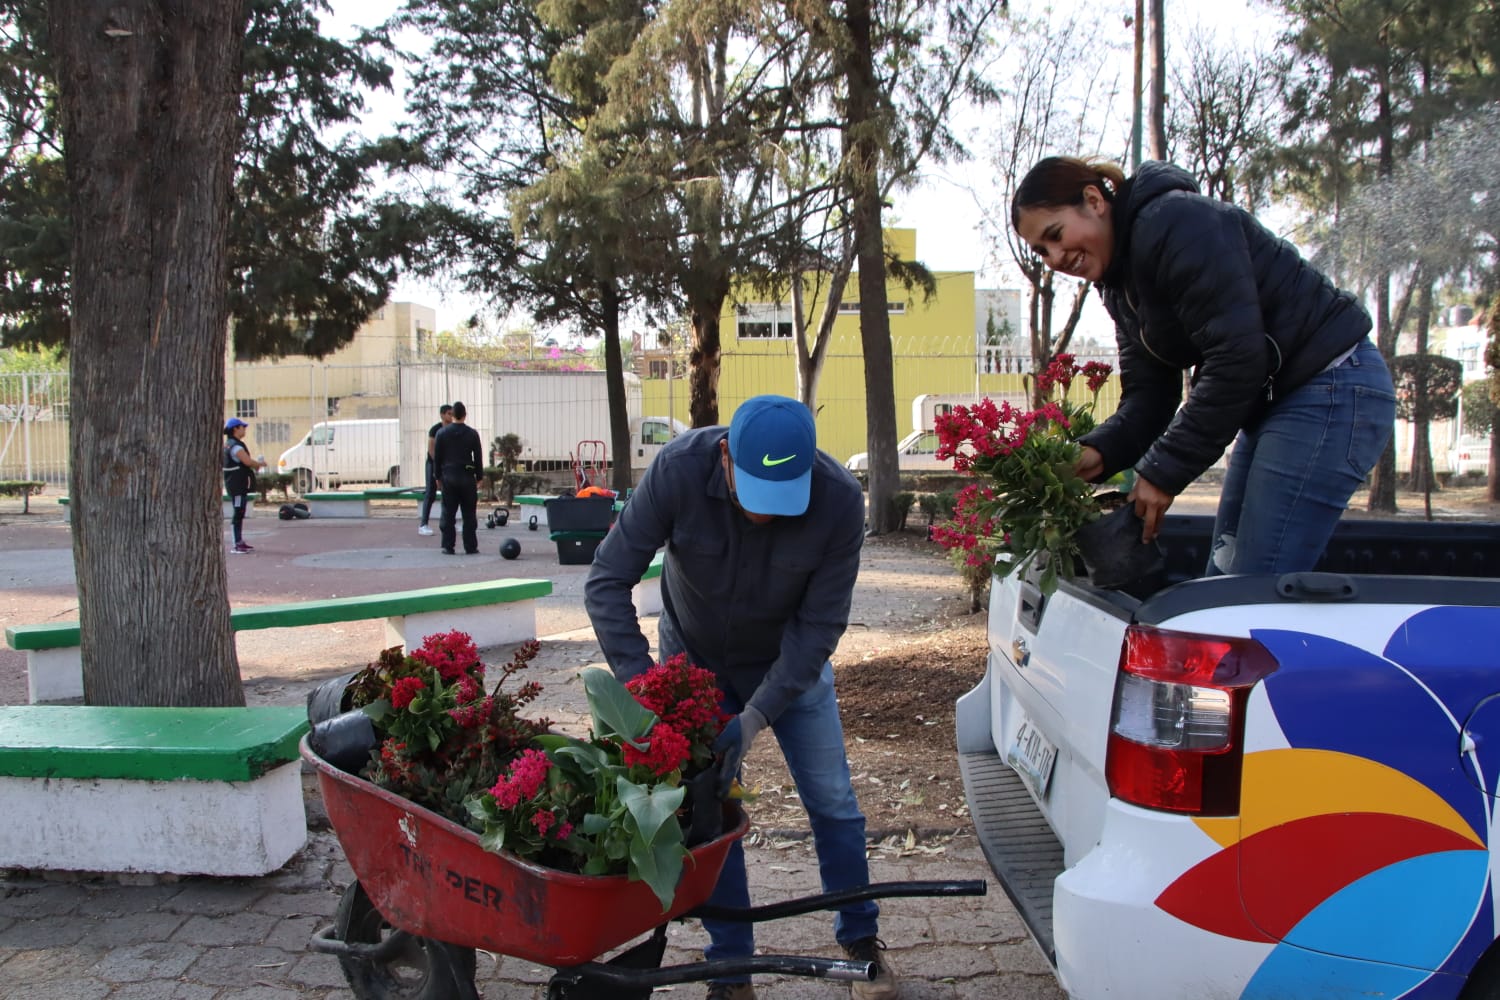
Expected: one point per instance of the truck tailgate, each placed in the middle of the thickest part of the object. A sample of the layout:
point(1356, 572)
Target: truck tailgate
point(1032, 737)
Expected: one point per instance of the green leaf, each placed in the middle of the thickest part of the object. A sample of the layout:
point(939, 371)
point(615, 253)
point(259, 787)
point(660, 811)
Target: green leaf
point(615, 710)
point(594, 824)
point(493, 840)
point(651, 808)
point(589, 758)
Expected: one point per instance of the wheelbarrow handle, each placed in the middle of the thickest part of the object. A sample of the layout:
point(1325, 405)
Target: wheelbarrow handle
point(595, 974)
point(838, 898)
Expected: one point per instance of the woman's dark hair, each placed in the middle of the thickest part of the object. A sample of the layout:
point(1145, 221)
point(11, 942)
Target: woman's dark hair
point(1059, 181)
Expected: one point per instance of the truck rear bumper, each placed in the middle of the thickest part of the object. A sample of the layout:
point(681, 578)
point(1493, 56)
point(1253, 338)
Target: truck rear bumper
point(1017, 842)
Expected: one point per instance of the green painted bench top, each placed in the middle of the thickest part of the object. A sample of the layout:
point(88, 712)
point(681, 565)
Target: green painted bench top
point(62, 635)
point(654, 570)
point(378, 493)
point(148, 744)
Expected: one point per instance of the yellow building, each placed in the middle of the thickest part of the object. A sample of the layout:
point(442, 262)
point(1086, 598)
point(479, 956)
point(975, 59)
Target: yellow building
point(954, 344)
point(281, 399)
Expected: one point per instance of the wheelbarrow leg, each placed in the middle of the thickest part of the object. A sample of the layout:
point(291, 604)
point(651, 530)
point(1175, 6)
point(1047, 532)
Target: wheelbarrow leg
point(576, 984)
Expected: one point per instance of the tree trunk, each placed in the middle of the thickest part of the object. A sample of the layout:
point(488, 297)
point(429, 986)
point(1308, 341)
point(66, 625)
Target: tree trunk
point(704, 309)
point(1382, 495)
point(1158, 80)
point(1136, 96)
point(620, 477)
point(1422, 477)
point(150, 122)
point(862, 158)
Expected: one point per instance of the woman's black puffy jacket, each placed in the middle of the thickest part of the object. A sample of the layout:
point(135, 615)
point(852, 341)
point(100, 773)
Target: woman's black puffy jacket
point(1197, 283)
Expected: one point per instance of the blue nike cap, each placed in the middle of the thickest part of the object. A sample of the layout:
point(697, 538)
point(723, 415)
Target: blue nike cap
point(772, 442)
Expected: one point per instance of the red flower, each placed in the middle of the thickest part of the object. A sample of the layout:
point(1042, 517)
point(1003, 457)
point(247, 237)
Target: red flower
point(405, 690)
point(666, 751)
point(451, 654)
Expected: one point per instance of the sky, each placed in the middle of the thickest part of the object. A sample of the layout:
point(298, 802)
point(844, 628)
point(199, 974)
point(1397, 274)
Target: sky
point(943, 209)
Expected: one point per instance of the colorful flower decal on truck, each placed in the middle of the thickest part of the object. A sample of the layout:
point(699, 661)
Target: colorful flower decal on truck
point(1361, 851)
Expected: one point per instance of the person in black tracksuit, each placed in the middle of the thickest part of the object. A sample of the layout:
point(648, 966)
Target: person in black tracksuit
point(1282, 365)
point(458, 456)
point(239, 477)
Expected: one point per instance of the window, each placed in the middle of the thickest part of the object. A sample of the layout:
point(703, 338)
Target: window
point(764, 321)
point(927, 444)
point(655, 432)
point(657, 369)
point(765, 331)
point(245, 409)
point(322, 435)
point(891, 308)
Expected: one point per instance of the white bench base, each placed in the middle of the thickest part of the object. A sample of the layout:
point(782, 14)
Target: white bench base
point(646, 596)
point(326, 509)
point(169, 827)
point(488, 625)
point(56, 675)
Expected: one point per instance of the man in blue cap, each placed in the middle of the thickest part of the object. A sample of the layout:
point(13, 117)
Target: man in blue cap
point(762, 534)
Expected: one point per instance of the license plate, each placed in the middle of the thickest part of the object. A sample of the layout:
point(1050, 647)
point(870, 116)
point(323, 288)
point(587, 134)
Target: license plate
point(1032, 756)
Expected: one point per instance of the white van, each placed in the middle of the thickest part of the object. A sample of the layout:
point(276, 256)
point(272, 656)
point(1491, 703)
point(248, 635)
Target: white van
point(345, 451)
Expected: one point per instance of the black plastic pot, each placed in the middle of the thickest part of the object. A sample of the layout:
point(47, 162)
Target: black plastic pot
point(345, 741)
point(328, 699)
point(1113, 552)
point(705, 811)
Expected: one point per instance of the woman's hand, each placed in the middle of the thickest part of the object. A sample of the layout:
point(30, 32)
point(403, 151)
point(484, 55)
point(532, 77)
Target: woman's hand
point(1151, 502)
point(1090, 465)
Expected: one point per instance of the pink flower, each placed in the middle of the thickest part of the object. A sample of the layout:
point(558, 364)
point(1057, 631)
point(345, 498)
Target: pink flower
point(525, 777)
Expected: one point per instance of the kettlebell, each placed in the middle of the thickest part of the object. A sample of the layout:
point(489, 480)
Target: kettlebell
point(489, 521)
point(510, 548)
point(502, 516)
point(531, 524)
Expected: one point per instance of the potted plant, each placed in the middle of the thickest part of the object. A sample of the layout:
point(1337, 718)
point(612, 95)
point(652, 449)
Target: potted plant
point(1028, 504)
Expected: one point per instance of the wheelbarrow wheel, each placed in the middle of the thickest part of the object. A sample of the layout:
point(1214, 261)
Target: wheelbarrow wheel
point(424, 970)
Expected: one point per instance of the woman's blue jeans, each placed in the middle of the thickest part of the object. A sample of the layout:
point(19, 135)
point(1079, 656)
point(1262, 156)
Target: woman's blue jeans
point(1291, 476)
point(812, 742)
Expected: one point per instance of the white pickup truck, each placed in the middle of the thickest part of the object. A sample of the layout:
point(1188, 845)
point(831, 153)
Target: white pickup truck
point(1257, 786)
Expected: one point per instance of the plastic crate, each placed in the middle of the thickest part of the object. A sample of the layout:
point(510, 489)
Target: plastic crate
point(576, 548)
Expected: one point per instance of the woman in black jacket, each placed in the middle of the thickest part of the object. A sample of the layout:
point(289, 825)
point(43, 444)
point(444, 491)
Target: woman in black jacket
point(1281, 359)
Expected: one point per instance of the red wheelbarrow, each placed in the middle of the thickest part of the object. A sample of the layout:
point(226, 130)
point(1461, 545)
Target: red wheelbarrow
point(428, 894)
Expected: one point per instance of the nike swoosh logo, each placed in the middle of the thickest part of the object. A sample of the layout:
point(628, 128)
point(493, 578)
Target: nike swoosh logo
point(771, 463)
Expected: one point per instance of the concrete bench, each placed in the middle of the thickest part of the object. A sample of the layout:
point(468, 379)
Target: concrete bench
point(356, 503)
point(187, 791)
point(493, 612)
point(646, 595)
point(228, 506)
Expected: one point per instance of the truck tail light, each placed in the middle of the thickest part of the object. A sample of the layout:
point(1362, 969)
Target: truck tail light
point(1177, 731)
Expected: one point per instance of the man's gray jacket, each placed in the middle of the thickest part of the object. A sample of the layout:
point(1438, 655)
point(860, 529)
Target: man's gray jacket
point(762, 606)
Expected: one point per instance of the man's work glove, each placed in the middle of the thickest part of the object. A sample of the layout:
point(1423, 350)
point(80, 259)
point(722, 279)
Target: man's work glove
point(733, 744)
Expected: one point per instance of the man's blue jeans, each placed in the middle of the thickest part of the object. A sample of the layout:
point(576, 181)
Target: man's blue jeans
point(812, 742)
point(1291, 476)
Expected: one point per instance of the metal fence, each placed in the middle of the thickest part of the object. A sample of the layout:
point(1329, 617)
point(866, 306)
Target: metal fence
point(34, 427)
